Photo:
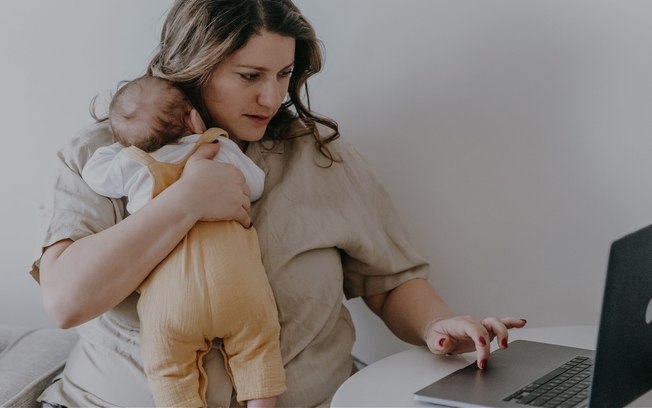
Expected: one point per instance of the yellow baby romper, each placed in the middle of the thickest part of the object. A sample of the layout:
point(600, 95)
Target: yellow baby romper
point(211, 285)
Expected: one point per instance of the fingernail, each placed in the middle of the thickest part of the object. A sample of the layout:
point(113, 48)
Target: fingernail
point(483, 341)
point(524, 321)
point(503, 342)
point(442, 341)
point(482, 364)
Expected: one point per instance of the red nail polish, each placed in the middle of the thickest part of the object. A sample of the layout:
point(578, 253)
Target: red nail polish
point(483, 342)
point(442, 341)
point(483, 364)
point(503, 342)
point(524, 321)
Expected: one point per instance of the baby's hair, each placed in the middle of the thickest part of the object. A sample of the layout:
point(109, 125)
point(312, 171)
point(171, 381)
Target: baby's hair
point(149, 112)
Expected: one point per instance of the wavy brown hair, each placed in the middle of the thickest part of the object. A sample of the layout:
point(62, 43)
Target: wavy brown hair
point(199, 34)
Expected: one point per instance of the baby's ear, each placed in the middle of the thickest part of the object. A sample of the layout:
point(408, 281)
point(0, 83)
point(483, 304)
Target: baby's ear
point(195, 123)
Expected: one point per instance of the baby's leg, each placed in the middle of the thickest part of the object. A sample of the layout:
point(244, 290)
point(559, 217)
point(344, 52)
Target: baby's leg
point(254, 355)
point(249, 322)
point(180, 382)
point(172, 342)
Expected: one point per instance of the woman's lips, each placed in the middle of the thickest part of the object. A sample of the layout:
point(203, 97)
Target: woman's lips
point(259, 119)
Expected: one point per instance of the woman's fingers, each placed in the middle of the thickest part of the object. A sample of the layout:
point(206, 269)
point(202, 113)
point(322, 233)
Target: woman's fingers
point(513, 322)
point(481, 339)
point(243, 218)
point(497, 329)
point(464, 334)
point(215, 191)
point(205, 151)
point(458, 335)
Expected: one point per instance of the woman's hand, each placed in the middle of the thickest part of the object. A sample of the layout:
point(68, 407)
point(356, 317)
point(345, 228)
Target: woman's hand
point(463, 334)
point(215, 191)
point(413, 311)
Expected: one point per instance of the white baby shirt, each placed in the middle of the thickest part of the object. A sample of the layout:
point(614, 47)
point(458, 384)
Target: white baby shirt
point(111, 173)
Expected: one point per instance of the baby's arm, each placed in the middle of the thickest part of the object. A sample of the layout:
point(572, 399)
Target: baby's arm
point(104, 173)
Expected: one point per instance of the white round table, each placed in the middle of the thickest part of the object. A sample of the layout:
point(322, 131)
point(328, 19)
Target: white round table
point(392, 381)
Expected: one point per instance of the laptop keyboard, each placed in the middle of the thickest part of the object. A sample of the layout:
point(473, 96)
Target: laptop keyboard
point(565, 387)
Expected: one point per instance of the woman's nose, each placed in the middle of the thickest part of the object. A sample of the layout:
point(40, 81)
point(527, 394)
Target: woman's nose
point(271, 94)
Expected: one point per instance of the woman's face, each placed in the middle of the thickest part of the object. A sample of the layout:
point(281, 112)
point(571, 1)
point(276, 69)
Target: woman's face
point(246, 90)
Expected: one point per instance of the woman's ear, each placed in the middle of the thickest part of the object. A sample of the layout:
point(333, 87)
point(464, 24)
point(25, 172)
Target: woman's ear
point(195, 123)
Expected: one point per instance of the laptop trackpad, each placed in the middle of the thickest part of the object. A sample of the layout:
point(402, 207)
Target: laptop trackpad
point(507, 371)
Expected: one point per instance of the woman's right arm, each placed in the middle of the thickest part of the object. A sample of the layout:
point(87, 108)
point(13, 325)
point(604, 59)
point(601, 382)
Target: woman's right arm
point(82, 279)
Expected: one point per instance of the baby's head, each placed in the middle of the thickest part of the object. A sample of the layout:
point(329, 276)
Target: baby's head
point(150, 112)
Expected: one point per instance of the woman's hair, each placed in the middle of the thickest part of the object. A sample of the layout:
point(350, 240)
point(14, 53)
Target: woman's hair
point(199, 34)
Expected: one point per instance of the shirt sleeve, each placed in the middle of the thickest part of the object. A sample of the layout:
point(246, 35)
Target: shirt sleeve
point(377, 256)
point(76, 211)
point(103, 172)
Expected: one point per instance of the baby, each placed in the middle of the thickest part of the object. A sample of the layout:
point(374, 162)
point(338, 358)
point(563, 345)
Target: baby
point(212, 285)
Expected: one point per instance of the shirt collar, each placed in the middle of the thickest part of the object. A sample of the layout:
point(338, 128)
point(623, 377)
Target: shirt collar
point(257, 151)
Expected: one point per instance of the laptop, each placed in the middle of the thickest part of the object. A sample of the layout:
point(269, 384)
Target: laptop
point(616, 373)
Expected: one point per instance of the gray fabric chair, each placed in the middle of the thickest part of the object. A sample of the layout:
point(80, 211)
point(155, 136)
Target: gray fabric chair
point(29, 359)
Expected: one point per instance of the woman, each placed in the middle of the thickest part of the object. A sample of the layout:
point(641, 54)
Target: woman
point(326, 227)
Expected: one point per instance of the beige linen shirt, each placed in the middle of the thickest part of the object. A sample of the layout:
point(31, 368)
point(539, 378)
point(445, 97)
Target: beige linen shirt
point(325, 233)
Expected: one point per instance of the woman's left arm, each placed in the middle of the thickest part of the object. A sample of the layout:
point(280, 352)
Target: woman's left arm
point(416, 313)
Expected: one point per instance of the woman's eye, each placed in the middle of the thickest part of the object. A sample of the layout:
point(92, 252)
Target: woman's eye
point(248, 77)
point(285, 74)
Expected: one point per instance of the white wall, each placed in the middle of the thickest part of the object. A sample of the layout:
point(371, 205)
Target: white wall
point(56, 56)
point(513, 136)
